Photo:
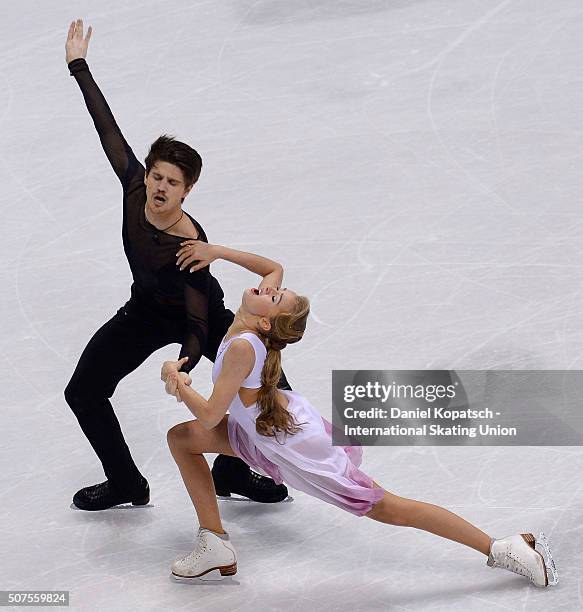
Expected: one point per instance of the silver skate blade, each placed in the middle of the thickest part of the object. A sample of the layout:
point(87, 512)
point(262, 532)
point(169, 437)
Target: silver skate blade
point(237, 498)
point(212, 576)
point(128, 506)
point(552, 573)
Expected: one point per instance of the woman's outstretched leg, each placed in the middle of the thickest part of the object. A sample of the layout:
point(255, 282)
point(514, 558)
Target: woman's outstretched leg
point(515, 553)
point(396, 510)
point(188, 441)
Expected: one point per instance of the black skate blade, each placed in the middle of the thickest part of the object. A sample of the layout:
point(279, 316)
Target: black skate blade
point(239, 498)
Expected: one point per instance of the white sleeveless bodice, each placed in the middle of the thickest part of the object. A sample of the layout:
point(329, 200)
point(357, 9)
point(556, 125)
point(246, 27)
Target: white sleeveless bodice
point(253, 381)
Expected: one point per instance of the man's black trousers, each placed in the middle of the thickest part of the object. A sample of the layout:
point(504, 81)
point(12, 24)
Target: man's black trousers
point(117, 349)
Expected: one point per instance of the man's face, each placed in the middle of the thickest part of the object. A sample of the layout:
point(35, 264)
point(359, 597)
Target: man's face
point(165, 188)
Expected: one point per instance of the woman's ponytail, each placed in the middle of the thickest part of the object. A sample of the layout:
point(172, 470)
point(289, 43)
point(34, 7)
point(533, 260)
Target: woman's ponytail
point(286, 328)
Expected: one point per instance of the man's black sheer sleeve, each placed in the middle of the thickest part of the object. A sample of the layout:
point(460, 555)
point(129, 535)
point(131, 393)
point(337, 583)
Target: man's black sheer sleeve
point(196, 298)
point(119, 153)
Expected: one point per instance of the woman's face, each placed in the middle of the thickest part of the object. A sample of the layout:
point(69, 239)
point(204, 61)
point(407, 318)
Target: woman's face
point(268, 301)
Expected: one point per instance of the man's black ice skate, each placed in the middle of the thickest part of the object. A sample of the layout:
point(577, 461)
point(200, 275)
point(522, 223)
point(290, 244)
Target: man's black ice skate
point(104, 495)
point(232, 475)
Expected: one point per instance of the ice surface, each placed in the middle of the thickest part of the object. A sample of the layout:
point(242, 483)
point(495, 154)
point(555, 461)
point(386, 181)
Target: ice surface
point(416, 166)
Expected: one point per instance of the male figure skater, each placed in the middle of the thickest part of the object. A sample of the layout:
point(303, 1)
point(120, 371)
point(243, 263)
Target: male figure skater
point(167, 304)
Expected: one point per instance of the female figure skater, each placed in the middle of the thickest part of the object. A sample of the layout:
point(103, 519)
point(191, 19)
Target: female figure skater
point(281, 434)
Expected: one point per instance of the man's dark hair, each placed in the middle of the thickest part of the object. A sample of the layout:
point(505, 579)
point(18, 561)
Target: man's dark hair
point(168, 149)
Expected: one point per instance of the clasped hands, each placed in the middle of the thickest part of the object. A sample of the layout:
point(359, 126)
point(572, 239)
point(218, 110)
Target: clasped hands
point(172, 376)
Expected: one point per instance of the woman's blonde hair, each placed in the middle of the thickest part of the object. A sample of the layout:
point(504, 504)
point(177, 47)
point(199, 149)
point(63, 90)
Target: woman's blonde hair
point(286, 328)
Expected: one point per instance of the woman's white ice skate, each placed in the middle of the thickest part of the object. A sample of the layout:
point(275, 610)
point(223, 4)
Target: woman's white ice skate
point(518, 554)
point(213, 558)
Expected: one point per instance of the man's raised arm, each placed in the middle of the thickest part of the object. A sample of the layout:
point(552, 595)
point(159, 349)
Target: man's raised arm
point(116, 148)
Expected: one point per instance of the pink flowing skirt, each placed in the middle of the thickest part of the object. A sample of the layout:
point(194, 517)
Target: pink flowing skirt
point(306, 461)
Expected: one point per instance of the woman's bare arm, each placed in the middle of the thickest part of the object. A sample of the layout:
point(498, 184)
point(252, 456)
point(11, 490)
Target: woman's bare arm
point(237, 365)
point(197, 255)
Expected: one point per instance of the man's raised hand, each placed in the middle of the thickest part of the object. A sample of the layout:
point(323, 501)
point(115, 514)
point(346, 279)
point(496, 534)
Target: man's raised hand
point(76, 45)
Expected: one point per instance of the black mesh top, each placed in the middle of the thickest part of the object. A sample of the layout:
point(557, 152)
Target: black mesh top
point(158, 284)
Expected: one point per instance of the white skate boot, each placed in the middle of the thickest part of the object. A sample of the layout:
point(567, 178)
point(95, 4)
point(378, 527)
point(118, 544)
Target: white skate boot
point(517, 554)
point(213, 558)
